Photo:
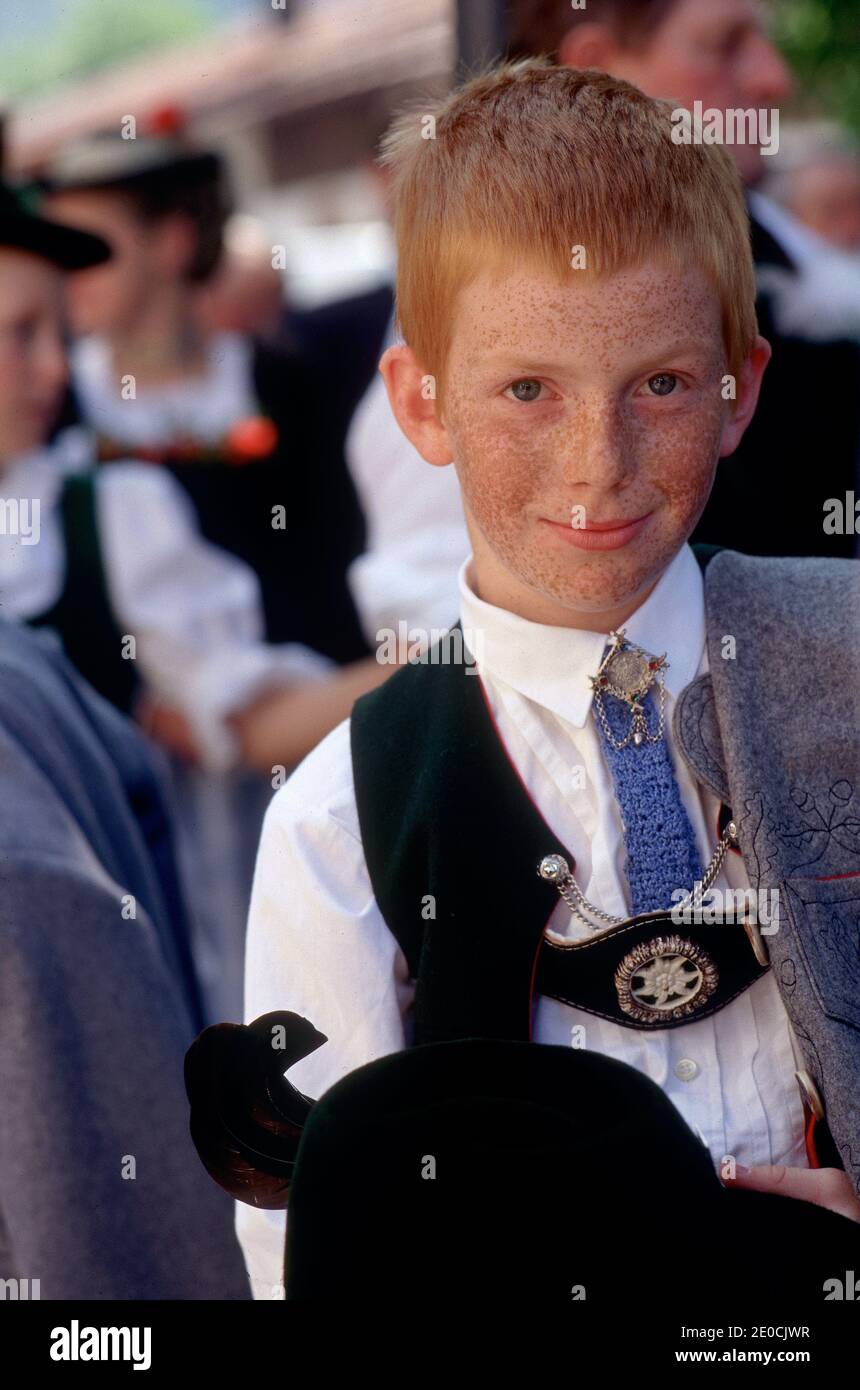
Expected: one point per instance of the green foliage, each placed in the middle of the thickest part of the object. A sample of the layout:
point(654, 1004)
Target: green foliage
point(92, 35)
point(821, 41)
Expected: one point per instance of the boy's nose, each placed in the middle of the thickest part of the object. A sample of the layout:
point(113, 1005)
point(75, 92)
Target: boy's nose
point(598, 454)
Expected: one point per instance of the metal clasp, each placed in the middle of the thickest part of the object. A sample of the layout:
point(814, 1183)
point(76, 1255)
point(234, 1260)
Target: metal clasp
point(811, 1094)
point(756, 940)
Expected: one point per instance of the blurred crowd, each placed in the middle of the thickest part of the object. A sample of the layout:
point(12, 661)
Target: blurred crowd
point(224, 517)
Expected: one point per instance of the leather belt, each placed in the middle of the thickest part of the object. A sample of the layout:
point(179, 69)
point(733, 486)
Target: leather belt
point(649, 972)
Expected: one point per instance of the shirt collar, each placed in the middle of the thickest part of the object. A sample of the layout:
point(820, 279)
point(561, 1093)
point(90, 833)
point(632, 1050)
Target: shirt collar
point(552, 665)
point(801, 244)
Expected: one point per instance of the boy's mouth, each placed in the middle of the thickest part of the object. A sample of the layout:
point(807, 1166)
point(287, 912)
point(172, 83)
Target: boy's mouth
point(600, 535)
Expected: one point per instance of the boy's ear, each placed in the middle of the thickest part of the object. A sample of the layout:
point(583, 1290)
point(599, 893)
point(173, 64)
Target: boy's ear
point(746, 399)
point(412, 394)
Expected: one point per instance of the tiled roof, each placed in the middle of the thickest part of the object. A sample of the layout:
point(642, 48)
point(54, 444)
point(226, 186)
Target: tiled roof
point(247, 72)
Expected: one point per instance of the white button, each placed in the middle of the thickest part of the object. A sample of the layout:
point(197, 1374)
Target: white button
point(686, 1069)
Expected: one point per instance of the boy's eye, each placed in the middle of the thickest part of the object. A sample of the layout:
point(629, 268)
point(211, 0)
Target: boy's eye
point(663, 384)
point(525, 390)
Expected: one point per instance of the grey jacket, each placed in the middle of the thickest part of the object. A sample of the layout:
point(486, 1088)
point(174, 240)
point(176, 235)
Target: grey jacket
point(102, 1195)
point(773, 731)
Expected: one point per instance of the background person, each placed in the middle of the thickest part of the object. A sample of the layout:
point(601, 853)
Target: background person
point(243, 426)
point(101, 1196)
point(118, 557)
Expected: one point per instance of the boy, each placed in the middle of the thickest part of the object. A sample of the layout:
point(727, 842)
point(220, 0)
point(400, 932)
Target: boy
point(724, 57)
point(692, 51)
point(576, 296)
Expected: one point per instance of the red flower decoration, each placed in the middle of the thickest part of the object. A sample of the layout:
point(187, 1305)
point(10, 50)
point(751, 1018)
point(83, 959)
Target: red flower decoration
point(166, 120)
point(251, 439)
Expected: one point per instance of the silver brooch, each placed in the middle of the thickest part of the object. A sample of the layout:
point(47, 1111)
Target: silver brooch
point(628, 672)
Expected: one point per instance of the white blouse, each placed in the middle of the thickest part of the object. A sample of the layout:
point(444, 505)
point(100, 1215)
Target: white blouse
point(194, 609)
point(203, 406)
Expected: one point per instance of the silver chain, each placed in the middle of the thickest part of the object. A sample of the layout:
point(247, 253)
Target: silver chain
point(637, 722)
point(555, 869)
point(728, 838)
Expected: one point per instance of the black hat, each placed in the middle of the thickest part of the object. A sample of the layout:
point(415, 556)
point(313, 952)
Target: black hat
point(460, 1171)
point(160, 171)
point(65, 246)
point(106, 160)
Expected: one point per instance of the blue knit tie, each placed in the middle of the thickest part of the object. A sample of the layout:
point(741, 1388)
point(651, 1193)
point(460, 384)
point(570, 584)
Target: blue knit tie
point(662, 855)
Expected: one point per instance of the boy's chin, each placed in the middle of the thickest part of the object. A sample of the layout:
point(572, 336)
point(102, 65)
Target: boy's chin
point(585, 600)
point(605, 582)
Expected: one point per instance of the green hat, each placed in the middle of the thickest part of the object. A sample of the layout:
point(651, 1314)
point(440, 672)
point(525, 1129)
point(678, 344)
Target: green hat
point(23, 229)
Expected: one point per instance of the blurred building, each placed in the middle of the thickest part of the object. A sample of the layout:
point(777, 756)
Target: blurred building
point(296, 100)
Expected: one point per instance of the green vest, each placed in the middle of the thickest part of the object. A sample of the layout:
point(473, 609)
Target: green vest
point(82, 616)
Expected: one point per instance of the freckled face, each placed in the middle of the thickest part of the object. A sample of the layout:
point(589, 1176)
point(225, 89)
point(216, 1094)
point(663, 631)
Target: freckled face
point(591, 403)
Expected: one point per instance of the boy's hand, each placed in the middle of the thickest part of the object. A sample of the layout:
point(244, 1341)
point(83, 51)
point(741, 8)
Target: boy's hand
point(826, 1187)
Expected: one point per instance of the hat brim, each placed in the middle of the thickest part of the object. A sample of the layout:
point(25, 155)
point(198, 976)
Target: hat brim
point(557, 1166)
point(66, 247)
point(126, 167)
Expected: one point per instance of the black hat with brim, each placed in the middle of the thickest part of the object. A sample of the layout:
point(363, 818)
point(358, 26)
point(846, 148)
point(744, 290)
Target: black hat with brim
point(64, 246)
point(106, 160)
point(488, 1169)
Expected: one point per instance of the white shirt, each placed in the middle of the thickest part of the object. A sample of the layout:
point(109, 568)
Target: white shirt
point(820, 300)
point(317, 943)
point(193, 609)
point(203, 407)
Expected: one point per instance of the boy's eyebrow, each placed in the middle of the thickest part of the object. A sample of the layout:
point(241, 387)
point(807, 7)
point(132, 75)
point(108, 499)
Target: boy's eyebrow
point(532, 365)
point(526, 363)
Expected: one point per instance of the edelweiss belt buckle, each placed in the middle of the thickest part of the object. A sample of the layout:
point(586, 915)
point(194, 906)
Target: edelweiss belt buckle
point(642, 972)
point(665, 979)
